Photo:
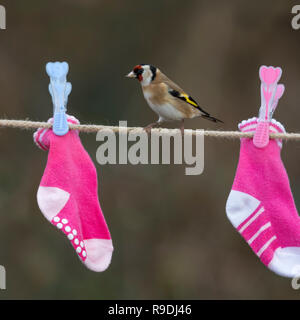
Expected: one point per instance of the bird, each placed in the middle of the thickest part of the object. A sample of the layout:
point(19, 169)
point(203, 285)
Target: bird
point(166, 98)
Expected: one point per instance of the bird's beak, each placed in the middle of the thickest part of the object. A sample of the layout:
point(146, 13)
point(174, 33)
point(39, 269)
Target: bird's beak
point(130, 75)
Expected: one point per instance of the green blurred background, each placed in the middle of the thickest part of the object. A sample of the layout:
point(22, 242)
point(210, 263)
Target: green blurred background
point(171, 235)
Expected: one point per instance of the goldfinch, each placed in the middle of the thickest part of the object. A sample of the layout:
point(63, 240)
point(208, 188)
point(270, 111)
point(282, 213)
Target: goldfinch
point(166, 98)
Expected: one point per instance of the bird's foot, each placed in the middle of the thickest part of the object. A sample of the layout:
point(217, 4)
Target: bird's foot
point(149, 127)
point(182, 127)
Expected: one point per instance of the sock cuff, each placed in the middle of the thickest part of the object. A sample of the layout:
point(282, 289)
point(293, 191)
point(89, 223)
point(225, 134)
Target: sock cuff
point(251, 124)
point(41, 135)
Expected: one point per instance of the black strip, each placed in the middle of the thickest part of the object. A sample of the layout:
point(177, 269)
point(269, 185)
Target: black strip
point(153, 69)
point(177, 94)
point(156, 309)
point(174, 93)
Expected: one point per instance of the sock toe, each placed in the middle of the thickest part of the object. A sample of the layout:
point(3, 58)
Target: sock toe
point(99, 253)
point(286, 262)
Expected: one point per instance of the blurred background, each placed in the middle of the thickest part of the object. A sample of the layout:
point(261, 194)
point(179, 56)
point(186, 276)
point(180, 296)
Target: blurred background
point(171, 235)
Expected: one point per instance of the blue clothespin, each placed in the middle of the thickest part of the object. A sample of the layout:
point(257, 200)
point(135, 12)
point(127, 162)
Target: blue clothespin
point(59, 89)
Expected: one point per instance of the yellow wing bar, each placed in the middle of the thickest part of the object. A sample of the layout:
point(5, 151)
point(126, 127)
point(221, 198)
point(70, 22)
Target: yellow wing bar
point(185, 97)
point(189, 99)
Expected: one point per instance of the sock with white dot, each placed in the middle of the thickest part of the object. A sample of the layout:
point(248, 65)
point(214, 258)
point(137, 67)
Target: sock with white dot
point(68, 196)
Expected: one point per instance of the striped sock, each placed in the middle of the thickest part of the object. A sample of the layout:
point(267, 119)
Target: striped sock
point(261, 206)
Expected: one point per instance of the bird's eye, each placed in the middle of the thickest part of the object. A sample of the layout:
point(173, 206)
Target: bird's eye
point(139, 71)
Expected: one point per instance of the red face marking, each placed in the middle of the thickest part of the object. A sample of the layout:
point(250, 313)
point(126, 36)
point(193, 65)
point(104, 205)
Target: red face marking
point(138, 70)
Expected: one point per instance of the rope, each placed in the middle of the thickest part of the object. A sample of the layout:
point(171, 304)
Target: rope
point(89, 128)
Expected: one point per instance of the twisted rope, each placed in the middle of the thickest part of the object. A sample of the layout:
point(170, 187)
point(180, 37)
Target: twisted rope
point(89, 128)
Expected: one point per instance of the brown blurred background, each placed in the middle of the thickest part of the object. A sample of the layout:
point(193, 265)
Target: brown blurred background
point(171, 235)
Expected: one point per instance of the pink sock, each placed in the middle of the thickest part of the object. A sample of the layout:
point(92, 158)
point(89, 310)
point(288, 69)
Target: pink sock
point(68, 197)
point(261, 206)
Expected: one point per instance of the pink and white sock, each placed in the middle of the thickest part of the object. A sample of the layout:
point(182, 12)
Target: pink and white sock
point(261, 205)
point(68, 196)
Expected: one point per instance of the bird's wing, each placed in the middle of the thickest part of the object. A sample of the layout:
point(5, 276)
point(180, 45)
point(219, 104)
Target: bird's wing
point(177, 92)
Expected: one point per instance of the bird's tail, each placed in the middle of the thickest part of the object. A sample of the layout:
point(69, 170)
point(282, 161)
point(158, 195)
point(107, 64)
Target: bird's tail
point(210, 118)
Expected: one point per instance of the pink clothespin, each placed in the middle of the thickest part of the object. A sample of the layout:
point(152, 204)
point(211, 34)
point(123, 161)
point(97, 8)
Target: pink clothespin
point(278, 94)
point(271, 92)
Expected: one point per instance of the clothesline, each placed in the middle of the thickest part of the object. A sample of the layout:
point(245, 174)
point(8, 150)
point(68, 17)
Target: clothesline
point(89, 128)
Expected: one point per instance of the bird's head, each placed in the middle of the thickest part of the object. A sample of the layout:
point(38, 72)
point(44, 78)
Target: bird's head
point(145, 73)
